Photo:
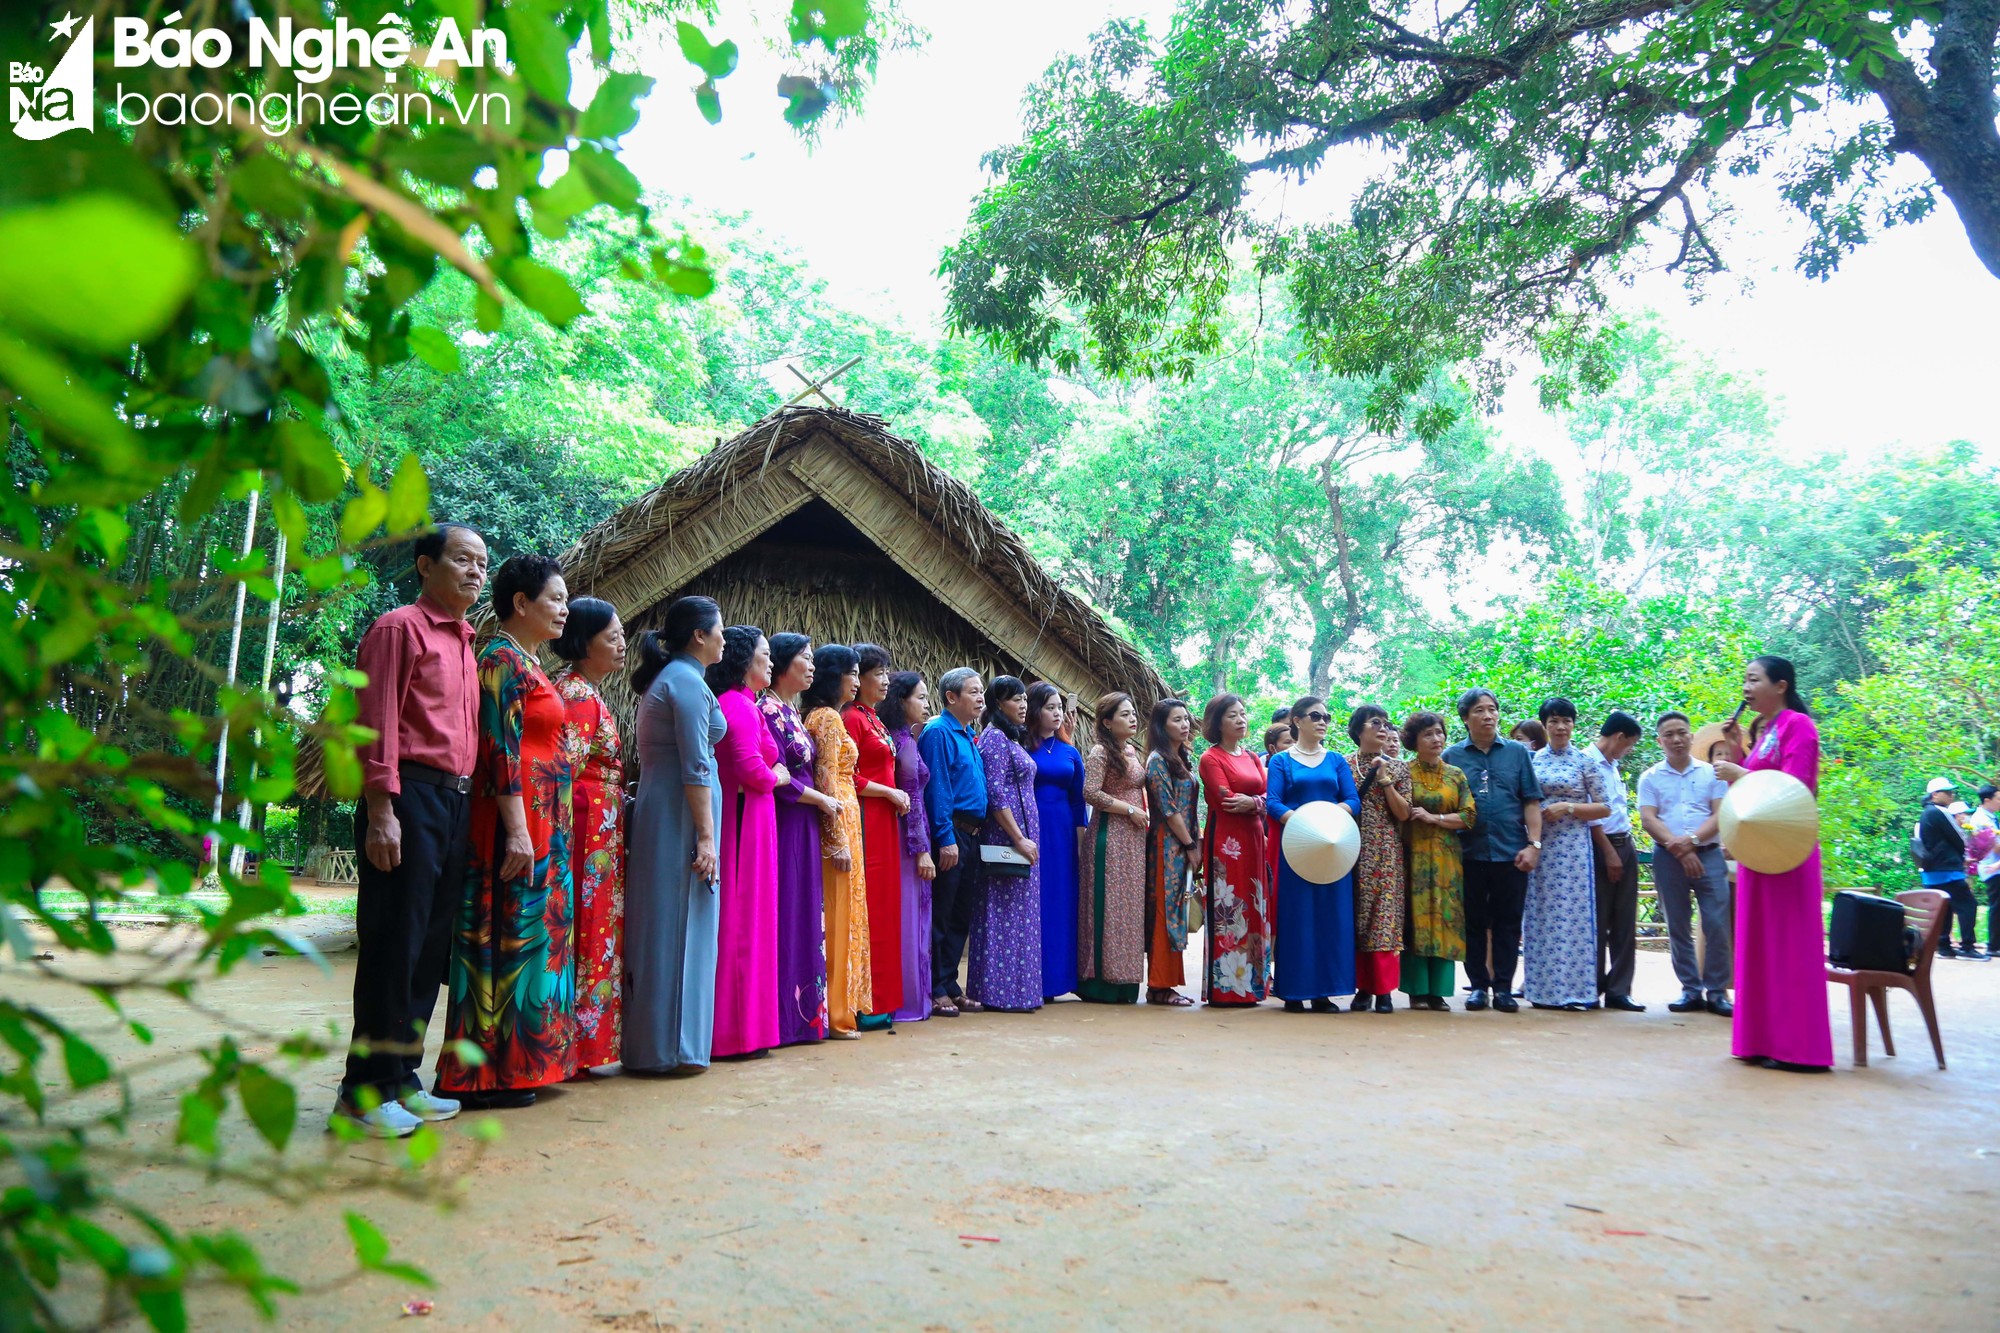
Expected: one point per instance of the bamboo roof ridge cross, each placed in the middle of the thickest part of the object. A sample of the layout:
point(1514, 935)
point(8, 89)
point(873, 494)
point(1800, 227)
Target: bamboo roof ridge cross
point(818, 386)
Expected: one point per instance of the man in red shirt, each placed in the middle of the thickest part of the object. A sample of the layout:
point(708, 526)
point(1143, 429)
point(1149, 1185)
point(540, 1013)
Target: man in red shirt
point(412, 826)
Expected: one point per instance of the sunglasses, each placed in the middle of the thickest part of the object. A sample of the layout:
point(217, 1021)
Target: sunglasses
point(1319, 717)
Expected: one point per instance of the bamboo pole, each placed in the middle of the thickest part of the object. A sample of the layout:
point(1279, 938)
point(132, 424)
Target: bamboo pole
point(229, 677)
point(270, 660)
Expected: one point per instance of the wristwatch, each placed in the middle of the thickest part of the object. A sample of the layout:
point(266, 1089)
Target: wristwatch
point(1536, 844)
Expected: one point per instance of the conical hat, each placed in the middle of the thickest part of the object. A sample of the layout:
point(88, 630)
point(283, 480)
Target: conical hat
point(1707, 740)
point(1321, 842)
point(1769, 821)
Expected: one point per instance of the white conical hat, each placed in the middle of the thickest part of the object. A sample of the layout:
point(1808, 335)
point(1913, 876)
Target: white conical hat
point(1321, 841)
point(1769, 821)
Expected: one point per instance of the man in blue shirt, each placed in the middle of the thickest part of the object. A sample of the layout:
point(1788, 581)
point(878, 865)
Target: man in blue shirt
point(955, 801)
point(1499, 850)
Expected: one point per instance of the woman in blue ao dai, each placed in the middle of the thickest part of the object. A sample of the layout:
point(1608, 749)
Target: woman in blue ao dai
point(1559, 924)
point(1315, 944)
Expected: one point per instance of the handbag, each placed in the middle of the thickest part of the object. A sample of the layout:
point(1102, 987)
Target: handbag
point(1003, 861)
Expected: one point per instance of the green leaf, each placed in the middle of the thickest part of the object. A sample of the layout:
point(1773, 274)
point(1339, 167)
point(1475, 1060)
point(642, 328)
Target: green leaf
point(435, 349)
point(612, 111)
point(308, 461)
point(370, 1249)
point(709, 102)
point(806, 100)
point(610, 179)
point(198, 1122)
point(556, 203)
point(77, 411)
point(84, 1063)
point(164, 1308)
point(290, 516)
point(540, 50)
point(687, 279)
point(409, 496)
point(362, 514)
point(544, 290)
point(716, 60)
point(828, 21)
point(95, 271)
point(104, 531)
point(423, 1145)
point(271, 1103)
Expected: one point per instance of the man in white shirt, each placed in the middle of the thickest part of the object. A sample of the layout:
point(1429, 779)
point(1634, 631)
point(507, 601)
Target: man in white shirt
point(1617, 867)
point(1678, 802)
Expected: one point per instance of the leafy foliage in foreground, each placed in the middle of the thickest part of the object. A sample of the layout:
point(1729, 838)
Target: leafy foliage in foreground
point(170, 299)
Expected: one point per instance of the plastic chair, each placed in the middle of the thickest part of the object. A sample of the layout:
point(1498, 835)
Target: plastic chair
point(1929, 912)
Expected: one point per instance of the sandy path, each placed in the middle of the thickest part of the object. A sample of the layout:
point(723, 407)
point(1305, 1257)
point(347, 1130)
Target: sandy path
point(1145, 1169)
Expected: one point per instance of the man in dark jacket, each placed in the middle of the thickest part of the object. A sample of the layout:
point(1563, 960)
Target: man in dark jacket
point(1941, 850)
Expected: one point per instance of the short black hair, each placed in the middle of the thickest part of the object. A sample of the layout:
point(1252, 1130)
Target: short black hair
point(588, 618)
point(1283, 714)
point(785, 647)
point(522, 575)
point(1358, 720)
point(873, 657)
point(902, 684)
point(1621, 724)
point(1988, 792)
point(1556, 707)
point(1672, 716)
point(1417, 724)
point(739, 645)
point(432, 543)
point(1211, 716)
point(998, 691)
point(1470, 700)
point(831, 663)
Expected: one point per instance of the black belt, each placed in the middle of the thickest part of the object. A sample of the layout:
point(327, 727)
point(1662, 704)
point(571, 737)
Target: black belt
point(434, 777)
point(965, 823)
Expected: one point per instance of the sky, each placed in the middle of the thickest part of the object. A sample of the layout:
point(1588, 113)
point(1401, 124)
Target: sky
point(1899, 348)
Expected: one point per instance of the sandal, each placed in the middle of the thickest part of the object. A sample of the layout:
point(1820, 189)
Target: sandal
point(1169, 998)
point(942, 1007)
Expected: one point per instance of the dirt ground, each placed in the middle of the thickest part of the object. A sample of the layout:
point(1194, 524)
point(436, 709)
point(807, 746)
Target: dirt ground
point(1145, 1168)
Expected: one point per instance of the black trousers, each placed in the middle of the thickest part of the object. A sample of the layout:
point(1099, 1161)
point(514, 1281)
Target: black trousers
point(955, 895)
point(1618, 918)
point(1965, 906)
point(1494, 894)
point(403, 922)
point(1993, 915)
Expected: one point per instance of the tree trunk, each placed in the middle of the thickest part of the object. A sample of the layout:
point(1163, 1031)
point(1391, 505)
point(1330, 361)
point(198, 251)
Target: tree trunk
point(1949, 124)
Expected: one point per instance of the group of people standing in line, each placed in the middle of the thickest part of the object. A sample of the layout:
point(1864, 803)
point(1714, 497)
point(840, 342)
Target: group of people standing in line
point(810, 854)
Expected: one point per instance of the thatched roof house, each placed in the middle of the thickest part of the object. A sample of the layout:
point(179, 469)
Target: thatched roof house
point(821, 521)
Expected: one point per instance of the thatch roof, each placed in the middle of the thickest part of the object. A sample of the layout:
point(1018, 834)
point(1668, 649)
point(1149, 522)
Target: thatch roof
point(823, 521)
point(722, 521)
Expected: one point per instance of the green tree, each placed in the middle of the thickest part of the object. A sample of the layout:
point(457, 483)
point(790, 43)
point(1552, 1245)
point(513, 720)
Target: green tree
point(1811, 544)
point(1602, 649)
point(166, 295)
point(1930, 706)
point(1665, 449)
point(1523, 158)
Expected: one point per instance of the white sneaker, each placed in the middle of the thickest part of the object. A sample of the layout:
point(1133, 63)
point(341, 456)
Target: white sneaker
point(387, 1121)
point(428, 1106)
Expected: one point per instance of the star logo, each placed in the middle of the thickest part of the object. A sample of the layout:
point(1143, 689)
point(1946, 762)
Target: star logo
point(67, 28)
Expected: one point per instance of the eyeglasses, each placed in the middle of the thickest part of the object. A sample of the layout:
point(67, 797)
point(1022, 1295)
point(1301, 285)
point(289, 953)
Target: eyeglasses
point(1319, 717)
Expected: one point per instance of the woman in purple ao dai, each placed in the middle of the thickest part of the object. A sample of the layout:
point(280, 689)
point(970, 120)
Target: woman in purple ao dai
point(1004, 964)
